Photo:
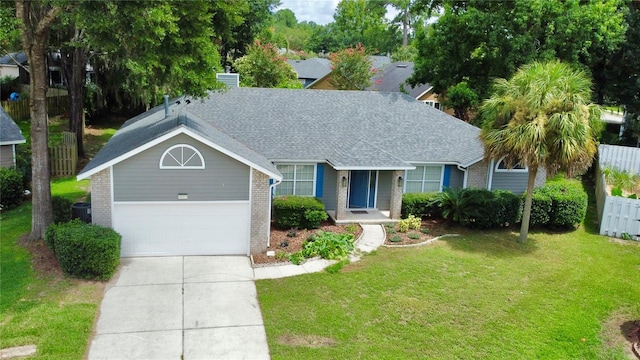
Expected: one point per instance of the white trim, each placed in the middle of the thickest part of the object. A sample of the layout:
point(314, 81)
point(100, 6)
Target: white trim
point(490, 175)
point(408, 167)
point(250, 212)
point(465, 177)
point(14, 142)
point(113, 202)
point(424, 92)
point(181, 202)
point(13, 150)
point(512, 170)
point(180, 130)
point(182, 163)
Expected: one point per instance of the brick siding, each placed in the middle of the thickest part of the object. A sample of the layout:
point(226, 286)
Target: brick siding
point(101, 198)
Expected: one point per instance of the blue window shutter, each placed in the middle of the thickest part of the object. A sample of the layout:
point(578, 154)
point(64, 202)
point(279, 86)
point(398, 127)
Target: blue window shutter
point(447, 177)
point(319, 179)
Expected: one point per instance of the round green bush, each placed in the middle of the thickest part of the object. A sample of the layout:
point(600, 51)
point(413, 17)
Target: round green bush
point(85, 250)
point(61, 209)
point(302, 212)
point(11, 189)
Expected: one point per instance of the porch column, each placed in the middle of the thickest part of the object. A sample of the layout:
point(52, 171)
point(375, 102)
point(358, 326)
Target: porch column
point(396, 194)
point(341, 196)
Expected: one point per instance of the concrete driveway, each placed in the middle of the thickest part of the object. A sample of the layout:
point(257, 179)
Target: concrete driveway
point(193, 307)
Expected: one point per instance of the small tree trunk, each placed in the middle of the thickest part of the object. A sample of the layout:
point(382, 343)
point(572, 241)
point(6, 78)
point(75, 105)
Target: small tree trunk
point(74, 64)
point(528, 199)
point(405, 26)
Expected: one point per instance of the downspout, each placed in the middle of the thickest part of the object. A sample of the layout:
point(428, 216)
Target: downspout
point(271, 187)
point(491, 166)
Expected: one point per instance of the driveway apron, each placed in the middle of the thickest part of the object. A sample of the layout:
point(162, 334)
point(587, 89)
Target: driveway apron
point(192, 307)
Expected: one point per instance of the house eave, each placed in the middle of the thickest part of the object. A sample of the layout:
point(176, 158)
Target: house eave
point(12, 142)
point(169, 135)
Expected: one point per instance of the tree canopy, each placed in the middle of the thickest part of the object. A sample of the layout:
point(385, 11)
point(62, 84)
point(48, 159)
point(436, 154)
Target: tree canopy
point(351, 69)
point(264, 67)
point(476, 41)
point(541, 118)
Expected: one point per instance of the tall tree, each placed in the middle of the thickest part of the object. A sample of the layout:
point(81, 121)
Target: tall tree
point(264, 67)
point(541, 118)
point(477, 41)
point(364, 22)
point(36, 19)
point(351, 69)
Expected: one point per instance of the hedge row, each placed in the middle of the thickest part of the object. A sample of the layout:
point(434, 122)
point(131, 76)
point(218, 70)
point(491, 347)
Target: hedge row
point(11, 188)
point(85, 250)
point(559, 204)
point(301, 212)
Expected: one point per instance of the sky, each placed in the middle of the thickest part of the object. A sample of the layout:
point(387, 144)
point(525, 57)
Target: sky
point(318, 11)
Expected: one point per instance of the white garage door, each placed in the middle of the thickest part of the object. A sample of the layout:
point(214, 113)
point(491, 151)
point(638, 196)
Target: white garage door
point(183, 228)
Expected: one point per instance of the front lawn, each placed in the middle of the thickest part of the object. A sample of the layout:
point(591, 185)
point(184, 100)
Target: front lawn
point(39, 305)
point(479, 296)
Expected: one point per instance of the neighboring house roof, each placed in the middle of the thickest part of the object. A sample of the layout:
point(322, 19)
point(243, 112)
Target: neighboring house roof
point(348, 129)
point(379, 61)
point(394, 76)
point(9, 59)
point(313, 68)
point(9, 132)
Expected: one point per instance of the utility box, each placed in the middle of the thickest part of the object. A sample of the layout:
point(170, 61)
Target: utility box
point(82, 211)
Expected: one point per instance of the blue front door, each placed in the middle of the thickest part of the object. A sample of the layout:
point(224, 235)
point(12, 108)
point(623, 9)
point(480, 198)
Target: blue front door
point(362, 189)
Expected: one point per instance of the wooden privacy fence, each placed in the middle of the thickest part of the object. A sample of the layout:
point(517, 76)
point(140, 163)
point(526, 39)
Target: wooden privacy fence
point(618, 215)
point(19, 110)
point(64, 157)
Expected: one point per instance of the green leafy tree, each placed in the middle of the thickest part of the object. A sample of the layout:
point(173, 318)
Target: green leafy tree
point(477, 41)
point(264, 67)
point(405, 53)
point(461, 99)
point(541, 118)
point(364, 22)
point(351, 69)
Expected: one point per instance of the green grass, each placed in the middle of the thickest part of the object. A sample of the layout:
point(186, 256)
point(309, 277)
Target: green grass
point(54, 313)
point(479, 296)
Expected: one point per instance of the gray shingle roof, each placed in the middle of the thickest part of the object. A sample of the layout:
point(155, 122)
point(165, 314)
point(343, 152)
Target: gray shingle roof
point(395, 74)
point(313, 68)
point(285, 124)
point(348, 129)
point(153, 124)
point(9, 132)
point(9, 59)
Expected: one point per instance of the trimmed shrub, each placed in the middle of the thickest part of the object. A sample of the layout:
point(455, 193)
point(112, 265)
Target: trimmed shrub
point(61, 209)
point(540, 207)
point(560, 204)
point(420, 204)
point(300, 212)
point(569, 204)
point(496, 208)
point(84, 250)
point(460, 205)
point(11, 189)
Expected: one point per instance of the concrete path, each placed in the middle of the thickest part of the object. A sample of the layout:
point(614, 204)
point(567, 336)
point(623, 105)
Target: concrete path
point(199, 307)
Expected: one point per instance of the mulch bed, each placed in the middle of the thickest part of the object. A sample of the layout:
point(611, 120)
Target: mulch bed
point(431, 228)
point(44, 261)
point(285, 242)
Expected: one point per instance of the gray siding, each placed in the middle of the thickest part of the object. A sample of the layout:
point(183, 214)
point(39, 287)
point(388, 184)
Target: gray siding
point(456, 180)
point(6, 155)
point(139, 178)
point(384, 190)
point(329, 188)
point(515, 182)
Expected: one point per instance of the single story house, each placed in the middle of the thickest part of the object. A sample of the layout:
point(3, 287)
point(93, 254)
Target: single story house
point(310, 70)
point(196, 176)
point(10, 136)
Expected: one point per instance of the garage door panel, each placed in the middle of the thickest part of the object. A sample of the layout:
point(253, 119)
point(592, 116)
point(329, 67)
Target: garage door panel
point(183, 228)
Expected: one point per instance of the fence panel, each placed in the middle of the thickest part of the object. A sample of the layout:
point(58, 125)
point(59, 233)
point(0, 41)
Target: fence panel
point(622, 157)
point(64, 157)
point(620, 215)
point(19, 110)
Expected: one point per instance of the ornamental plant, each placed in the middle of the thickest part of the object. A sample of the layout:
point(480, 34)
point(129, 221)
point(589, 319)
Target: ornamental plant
point(351, 69)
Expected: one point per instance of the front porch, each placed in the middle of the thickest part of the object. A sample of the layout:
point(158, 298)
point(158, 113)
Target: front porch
point(368, 216)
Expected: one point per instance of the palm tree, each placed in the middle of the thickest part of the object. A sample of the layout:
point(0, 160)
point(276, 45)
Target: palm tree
point(541, 118)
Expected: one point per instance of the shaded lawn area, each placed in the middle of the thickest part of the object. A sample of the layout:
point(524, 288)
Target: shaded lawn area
point(480, 296)
point(52, 311)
